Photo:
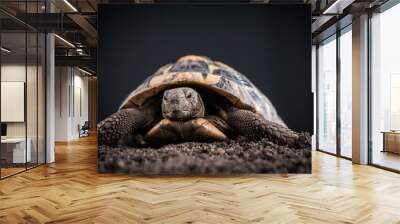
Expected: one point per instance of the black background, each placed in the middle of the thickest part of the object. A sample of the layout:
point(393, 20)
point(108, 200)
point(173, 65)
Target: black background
point(270, 44)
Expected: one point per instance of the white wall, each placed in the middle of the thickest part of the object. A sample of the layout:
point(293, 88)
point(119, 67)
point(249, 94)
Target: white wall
point(16, 72)
point(33, 127)
point(62, 81)
point(71, 102)
point(80, 112)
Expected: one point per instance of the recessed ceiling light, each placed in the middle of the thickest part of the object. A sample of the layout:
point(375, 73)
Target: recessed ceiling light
point(70, 5)
point(64, 40)
point(337, 7)
point(84, 71)
point(5, 50)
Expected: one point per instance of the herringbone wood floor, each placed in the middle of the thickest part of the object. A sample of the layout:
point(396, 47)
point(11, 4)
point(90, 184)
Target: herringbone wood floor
point(71, 191)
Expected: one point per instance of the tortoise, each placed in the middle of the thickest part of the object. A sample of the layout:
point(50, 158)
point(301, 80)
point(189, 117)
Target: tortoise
point(195, 99)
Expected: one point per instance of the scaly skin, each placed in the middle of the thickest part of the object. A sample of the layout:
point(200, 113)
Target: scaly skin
point(251, 125)
point(122, 127)
point(112, 129)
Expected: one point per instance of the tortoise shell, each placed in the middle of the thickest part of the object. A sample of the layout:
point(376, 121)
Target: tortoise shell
point(201, 71)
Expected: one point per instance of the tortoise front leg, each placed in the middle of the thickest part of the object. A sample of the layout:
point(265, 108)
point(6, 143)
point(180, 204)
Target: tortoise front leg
point(115, 128)
point(251, 125)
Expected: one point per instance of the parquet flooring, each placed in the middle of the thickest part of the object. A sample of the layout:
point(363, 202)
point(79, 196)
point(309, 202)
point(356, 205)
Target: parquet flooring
point(71, 191)
point(10, 171)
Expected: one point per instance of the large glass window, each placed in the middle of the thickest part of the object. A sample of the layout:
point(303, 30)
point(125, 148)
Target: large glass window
point(385, 88)
point(327, 95)
point(346, 93)
point(335, 137)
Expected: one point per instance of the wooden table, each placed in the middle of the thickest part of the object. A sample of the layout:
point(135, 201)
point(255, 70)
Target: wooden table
point(391, 141)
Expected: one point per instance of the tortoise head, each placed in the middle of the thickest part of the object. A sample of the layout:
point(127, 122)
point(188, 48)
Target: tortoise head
point(182, 103)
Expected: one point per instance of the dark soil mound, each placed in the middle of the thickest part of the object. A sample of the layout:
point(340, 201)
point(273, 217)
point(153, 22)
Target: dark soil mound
point(237, 156)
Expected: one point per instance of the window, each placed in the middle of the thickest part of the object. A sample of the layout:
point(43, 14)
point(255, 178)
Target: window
point(327, 95)
point(334, 106)
point(385, 88)
point(346, 93)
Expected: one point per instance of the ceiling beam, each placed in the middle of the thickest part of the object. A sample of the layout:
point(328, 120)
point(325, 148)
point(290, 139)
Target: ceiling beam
point(75, 15)
point(86, 27)
point(81, 61)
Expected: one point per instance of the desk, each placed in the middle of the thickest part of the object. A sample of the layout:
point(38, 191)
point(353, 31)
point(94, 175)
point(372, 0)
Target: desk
point(391, 141)
point(13, 150)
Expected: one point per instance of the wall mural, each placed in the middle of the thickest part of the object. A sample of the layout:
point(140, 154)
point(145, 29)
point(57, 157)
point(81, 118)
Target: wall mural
point(199, 116)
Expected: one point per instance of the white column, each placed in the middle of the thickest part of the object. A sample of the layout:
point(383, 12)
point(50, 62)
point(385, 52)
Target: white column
point(360, 90)
point(50, 98)
point(314, 91)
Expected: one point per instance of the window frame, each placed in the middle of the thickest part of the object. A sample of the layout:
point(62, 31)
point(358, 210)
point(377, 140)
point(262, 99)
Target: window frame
point(334, 37)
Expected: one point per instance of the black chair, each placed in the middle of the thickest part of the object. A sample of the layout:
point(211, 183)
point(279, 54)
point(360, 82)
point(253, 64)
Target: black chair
point(84, 130)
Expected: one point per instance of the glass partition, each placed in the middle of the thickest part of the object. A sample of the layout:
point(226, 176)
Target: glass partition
point(22, 88)
point(13, 109)
point(327, 95)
